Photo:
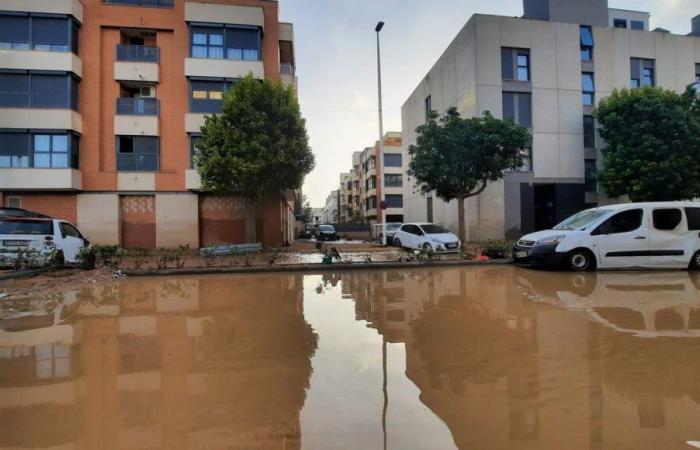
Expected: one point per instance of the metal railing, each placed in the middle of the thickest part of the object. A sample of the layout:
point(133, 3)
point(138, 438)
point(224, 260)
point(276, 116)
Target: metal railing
point(139, 53)
point(287, 69)
point(137, 162)
point(135, 106)
point(146, 3)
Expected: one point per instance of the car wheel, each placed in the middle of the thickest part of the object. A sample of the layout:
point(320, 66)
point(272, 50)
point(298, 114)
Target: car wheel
point(427, 248)
point(695, 261)
point(397, 242)
point(580, 260)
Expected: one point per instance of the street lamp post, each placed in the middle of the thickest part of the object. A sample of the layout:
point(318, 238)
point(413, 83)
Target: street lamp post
point(380, 172)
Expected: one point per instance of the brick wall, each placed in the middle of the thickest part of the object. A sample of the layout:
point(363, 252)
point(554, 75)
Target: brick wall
point(138, 217)
point(60, 206)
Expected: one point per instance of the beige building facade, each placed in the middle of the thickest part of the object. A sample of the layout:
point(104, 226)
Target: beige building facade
point(546, 71)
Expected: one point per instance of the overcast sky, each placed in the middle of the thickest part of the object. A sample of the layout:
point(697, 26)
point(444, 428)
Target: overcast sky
point(336, 64)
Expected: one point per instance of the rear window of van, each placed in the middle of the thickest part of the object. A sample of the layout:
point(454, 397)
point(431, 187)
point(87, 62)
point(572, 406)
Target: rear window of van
point(693, 215)
point(26, 227)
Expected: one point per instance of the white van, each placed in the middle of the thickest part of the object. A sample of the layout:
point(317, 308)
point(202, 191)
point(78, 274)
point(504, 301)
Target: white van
point(633, 235)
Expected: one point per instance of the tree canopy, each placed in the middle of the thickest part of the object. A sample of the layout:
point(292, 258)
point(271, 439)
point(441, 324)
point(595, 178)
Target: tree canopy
point(258, 145)
point(652, 139)
point(456, 158)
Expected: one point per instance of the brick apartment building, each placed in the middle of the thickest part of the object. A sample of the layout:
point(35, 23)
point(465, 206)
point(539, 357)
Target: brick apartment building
point(101, 104)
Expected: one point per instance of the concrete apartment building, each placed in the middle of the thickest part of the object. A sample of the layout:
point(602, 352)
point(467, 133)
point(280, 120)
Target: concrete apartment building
point(546, 70)
point(101, 103)
point(345, 199)
point(331, 210)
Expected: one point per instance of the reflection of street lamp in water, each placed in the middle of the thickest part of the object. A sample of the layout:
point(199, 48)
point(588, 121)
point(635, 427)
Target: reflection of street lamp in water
point(386, 394)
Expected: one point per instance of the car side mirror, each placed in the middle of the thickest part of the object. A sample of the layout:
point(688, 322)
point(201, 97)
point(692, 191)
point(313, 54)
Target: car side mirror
point(86, 243)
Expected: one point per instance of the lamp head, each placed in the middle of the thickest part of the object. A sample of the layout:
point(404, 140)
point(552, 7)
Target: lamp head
point(379, 27)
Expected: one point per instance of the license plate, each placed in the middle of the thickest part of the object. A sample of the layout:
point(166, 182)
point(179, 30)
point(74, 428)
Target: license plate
point(15, 243)
point(521, 254)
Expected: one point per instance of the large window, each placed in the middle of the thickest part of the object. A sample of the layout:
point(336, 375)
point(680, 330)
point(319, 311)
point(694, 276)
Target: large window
point(38, 90)
point(393, 180)
point(371, 183)
point(526, 154)
point(371, 203)
point(642, 72)
point(619, 23)
point(41, 32)
point(394, 201)
point(588, 132)
point(194, 150)
point(588, 88)
point(517, 106)
point(515, 64)
point(39, 149)
point(636, 25)
point(586, 43)
point(219, 42)
point(392, 160)
point(207, 96)
point(137, 153)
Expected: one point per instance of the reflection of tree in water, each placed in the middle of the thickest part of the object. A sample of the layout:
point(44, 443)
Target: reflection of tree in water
point(639, 368)
point(459, 340)
point(257, 366)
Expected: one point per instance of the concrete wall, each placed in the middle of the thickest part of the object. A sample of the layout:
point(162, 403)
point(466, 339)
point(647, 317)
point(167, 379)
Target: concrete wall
point(98, 217)
point(41, 179)
point(232, 14)
point(34, 60)
point(72, 7)
point(177, 220)
point(48, 119)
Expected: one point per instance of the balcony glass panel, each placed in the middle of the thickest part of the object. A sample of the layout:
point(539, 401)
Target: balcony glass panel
point(129, 106)
point(146, 3)
point(137, 53)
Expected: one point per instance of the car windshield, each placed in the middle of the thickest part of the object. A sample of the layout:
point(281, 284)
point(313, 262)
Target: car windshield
point(393, 226)
point(582, 220)
point(327, 228)
point(433, 229)
point(26, 227)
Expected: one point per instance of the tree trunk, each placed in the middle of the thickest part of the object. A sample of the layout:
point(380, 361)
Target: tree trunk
point(250, 208)
point(460, 213)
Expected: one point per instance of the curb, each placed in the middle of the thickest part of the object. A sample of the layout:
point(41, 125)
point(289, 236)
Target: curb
point(26, 273)
point(313, 268)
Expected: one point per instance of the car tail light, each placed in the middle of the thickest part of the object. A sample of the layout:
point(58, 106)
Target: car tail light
point(48, 238)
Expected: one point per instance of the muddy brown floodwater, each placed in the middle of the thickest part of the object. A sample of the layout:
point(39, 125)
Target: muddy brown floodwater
point(468, 358)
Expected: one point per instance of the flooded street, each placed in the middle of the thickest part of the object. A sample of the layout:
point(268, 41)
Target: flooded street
point(468, 358)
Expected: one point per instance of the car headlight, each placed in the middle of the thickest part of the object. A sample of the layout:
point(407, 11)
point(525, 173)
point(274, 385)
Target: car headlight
point(552, 240)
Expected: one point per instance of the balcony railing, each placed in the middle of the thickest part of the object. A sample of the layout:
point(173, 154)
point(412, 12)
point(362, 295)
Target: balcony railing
point(287, 69)
point(137, 162)
point(146, 3)
point(139, 53)
point(129, 106)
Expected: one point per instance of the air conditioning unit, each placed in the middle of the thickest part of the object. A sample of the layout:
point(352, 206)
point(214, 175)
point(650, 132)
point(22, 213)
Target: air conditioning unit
point(147, 91)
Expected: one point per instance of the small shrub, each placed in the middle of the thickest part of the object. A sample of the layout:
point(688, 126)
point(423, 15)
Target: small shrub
point(109, 255)
point(87, 258)
point(139, 256)
point(497, 249)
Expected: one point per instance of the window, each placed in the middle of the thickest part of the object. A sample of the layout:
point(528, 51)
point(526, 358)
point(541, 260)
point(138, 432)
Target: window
point(619, 23)
point(40, 150)
point(517, 106)
point(51, 150)
point(68, 230)
point(588, 88)
point(515, 64)
point(371, 183)
point(697, 72)
point(207, 96)
point(371, 203)
point(219, 42)
point(52, 361)
point(636, 25)
point(693, 216)
point(14, 202)
point(588, 132)
point(137, 153)
point(14, 150)
point(642, 72)
point(591, 167)
point(526, 154)
point(428, 107)
point(394, 201)
point(586, 43)
point(194, 151)
point(393, 180)
point(38, 90)
point(41, 32)
point(392, 160)
point(624, 222)
point(429, 206)
point(667, 219)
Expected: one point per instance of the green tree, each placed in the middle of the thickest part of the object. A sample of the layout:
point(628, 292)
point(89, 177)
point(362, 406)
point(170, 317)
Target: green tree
point(307, 210)
point(652, 139)
point(256, 147)
point(457, 158)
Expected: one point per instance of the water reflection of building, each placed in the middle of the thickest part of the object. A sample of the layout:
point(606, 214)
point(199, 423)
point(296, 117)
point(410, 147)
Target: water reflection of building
point(204, 363)
point(503, 368)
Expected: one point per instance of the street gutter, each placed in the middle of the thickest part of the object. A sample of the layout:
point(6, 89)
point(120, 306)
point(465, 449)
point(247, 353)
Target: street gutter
point(314, 267)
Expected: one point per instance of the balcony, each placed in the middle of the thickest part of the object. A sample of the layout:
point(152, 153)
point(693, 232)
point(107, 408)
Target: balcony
point(143, 3)
point(63, 179)
point(130, 106)
point(138, 53)
point(137, 162)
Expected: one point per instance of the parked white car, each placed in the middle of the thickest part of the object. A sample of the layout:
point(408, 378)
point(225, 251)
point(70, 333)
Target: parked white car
point(633, 235)
point(39, 237)
point(426, 236)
